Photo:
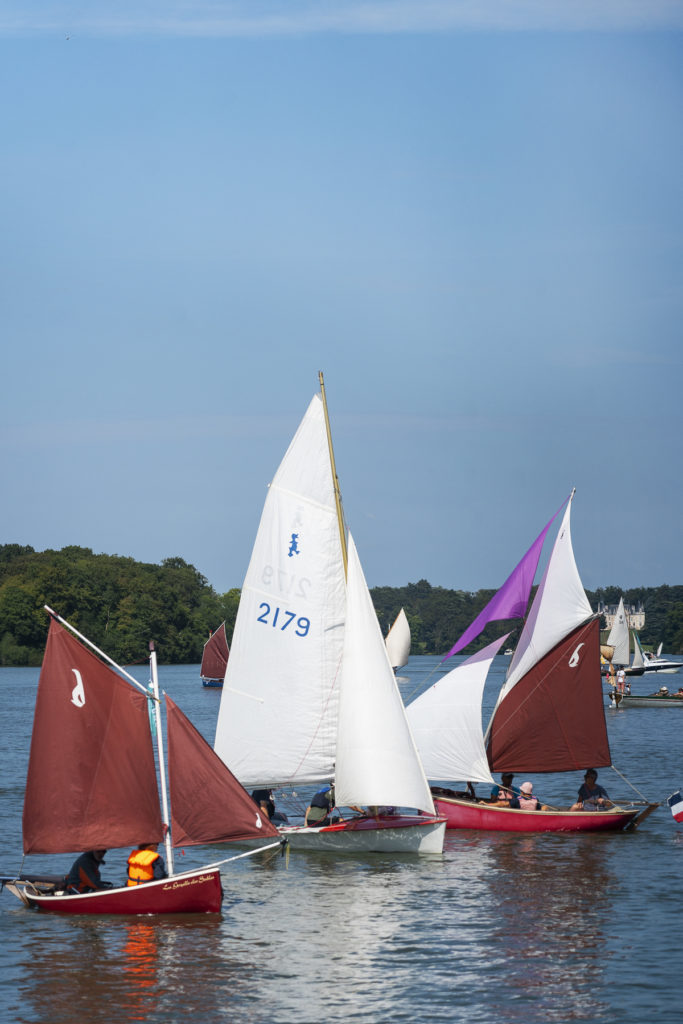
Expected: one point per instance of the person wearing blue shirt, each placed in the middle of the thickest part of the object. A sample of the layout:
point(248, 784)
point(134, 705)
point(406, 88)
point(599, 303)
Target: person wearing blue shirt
point(504, 793)
point(592, 797)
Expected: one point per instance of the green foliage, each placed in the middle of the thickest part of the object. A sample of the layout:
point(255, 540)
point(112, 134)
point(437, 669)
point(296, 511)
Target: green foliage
point(121, 605)
point(118, 603)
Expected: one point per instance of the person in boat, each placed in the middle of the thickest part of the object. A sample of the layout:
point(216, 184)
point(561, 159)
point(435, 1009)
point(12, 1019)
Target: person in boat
point(592, 797)
point(505, 792)
point(679, 693)
point(525, 800)
point(621, 680)
point(84, 875)
point(145, 865)
point(318, 811)
point(263, 798)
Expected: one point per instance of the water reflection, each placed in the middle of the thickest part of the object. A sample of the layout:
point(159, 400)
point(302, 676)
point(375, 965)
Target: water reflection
point(552, 896)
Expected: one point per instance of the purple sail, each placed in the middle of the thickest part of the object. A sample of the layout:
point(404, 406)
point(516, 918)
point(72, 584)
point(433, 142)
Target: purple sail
point(510, 602)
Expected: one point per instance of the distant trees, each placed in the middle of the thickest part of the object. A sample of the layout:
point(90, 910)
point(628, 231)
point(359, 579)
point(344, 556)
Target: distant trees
point(121, 605)
point(118, 603)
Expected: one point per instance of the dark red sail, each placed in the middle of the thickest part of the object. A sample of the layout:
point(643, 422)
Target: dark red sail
point(91, 779)
point(215, 656)
point(208, 804)
point(553, 719)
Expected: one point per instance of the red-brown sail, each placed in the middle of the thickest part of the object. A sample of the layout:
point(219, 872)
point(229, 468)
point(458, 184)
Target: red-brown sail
point(91, 779)
point(215, 656)
point(208, 804)
point(553, 719)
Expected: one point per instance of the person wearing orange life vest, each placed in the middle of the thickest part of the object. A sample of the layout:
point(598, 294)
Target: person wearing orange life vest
point(145, 865)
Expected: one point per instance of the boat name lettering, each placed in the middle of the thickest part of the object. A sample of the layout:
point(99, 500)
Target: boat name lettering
point(188, 881)
point(281, 619)
point(287, 582)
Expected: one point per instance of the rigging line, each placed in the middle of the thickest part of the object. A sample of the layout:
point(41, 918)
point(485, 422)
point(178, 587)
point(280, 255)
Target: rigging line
point(417, 686)
point(634, 788)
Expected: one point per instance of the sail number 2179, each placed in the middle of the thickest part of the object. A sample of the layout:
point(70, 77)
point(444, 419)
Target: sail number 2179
point(278, 618)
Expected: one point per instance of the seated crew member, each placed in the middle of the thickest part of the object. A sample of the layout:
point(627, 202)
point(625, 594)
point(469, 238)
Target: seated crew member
point(591, 797)
point(526, 801)
point(84, 875)
point(505, 792)
point(145, 865)
point(318, 811)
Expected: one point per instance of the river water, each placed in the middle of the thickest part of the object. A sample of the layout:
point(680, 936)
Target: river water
point(499, 929)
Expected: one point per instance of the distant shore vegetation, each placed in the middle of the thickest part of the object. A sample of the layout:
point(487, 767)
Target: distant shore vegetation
point(121, 604)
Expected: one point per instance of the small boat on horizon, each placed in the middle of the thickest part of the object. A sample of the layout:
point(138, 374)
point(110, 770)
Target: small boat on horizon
point(215, 658)
point(398, 641)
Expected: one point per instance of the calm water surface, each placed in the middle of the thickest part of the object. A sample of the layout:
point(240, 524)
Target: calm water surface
point(501, 928)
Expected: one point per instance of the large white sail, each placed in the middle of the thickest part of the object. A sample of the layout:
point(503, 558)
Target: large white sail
point(446, 721)
point(619, 637)
point(377, 761)
point(398, 641)
point(278, 716)
point(560, 605)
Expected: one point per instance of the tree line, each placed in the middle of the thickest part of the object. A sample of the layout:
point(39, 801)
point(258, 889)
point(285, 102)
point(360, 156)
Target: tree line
point(121, 604)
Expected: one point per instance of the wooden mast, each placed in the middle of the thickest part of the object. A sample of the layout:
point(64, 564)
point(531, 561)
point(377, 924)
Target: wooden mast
point(335, 479)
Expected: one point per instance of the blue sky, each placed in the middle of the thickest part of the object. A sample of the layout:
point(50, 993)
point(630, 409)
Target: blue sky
point(468, 215)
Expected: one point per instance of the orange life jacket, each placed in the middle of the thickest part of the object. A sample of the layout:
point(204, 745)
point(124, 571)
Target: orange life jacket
point(141, 866)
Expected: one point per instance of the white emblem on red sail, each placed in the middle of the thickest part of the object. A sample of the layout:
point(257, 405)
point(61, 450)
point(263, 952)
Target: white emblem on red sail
point(78, 692)
point(574, 660)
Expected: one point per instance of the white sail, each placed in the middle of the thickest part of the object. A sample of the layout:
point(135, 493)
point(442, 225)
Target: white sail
point(278, 716)
point(560, 605)
point(618, 637)
point(377, 761)
point(638, 660)
point(398, 641)
point(446, 721)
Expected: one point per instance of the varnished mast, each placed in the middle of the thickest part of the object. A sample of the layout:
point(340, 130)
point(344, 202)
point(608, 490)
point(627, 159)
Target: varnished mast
point(335, 479)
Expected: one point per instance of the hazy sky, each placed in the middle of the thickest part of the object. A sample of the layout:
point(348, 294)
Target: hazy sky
point(468, 215)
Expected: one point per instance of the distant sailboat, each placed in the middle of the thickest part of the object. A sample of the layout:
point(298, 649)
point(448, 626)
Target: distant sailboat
point(309, 694)
point(619, 643)
point(398, 641)
point(215, 658)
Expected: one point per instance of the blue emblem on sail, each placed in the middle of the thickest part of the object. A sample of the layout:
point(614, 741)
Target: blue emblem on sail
point(294, 545)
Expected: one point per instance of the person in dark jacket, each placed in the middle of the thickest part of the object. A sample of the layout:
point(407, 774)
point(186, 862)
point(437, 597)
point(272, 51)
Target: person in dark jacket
point(318, 811)
point(84, 875)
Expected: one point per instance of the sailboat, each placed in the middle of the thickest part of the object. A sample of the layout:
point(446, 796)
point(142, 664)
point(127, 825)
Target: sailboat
point(92, 784)
point(616, 653)
point(549, 715)
point(398, 641)
point(309, 694)
point(214, 658)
